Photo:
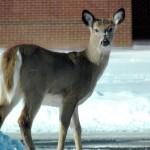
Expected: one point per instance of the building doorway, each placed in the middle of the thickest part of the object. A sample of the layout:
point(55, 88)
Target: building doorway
point(141, 21)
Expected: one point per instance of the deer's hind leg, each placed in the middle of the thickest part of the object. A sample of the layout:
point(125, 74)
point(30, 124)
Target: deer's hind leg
point(31, 107)
point(6, 109)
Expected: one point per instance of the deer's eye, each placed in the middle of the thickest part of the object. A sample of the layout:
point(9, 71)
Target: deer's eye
point(96, 30)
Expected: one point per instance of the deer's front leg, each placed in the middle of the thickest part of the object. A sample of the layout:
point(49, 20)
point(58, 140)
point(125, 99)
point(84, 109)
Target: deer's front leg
point(76, 127)
point(66, 111)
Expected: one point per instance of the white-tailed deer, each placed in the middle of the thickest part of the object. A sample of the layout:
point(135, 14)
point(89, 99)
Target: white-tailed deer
point(43, 77)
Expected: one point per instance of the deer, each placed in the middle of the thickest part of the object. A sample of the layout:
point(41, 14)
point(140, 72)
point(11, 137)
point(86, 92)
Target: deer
point(64, 80)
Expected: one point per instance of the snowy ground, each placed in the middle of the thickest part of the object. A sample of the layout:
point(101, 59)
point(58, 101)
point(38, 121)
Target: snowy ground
point(118, 108)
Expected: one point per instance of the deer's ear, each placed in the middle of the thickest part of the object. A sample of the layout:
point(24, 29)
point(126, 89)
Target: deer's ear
point(88, 18)
point(119, 16)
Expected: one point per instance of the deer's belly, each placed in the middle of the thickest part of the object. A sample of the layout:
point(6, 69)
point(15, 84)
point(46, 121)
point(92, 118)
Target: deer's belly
point(53, 100)
point(56, 100)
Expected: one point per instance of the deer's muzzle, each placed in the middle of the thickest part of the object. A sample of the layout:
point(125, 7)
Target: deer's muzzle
point(105, 42)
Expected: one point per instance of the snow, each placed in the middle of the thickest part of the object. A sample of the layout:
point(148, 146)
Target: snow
point(120, 102)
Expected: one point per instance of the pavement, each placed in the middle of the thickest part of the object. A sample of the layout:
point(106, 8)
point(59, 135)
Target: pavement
point(98, 145)
point(105, 141)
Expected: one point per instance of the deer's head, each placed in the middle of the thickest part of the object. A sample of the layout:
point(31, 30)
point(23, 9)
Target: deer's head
point(102, 30)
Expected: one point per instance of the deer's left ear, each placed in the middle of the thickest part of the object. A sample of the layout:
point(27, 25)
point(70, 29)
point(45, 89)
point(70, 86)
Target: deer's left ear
point(119, 16)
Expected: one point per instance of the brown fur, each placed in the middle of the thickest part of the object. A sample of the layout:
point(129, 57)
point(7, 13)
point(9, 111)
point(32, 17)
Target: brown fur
point(8, 63)
point(28, 49)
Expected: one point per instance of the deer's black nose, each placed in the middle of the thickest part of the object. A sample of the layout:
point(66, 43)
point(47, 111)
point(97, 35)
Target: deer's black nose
point(105, 42)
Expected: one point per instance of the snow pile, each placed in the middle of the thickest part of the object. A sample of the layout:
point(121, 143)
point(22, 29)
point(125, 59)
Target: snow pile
point(120, 112)
point(8, 144)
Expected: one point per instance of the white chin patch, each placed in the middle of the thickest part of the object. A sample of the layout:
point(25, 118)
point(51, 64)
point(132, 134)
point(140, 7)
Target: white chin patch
point(106, 49)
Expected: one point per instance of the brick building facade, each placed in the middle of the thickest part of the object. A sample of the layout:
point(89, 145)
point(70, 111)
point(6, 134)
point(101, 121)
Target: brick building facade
point(56, 24)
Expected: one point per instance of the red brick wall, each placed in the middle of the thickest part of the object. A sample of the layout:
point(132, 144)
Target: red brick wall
point(57, 23)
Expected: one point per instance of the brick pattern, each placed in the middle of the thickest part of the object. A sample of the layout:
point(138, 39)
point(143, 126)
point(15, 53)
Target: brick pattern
point(57, 24)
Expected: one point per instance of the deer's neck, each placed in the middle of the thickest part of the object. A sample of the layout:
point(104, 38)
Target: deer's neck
point(96, 54)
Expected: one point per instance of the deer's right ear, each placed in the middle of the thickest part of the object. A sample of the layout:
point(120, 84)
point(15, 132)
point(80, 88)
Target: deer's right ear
point(88, 18)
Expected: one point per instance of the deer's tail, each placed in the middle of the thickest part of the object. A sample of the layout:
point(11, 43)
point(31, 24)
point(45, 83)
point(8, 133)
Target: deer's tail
point(11, 62)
